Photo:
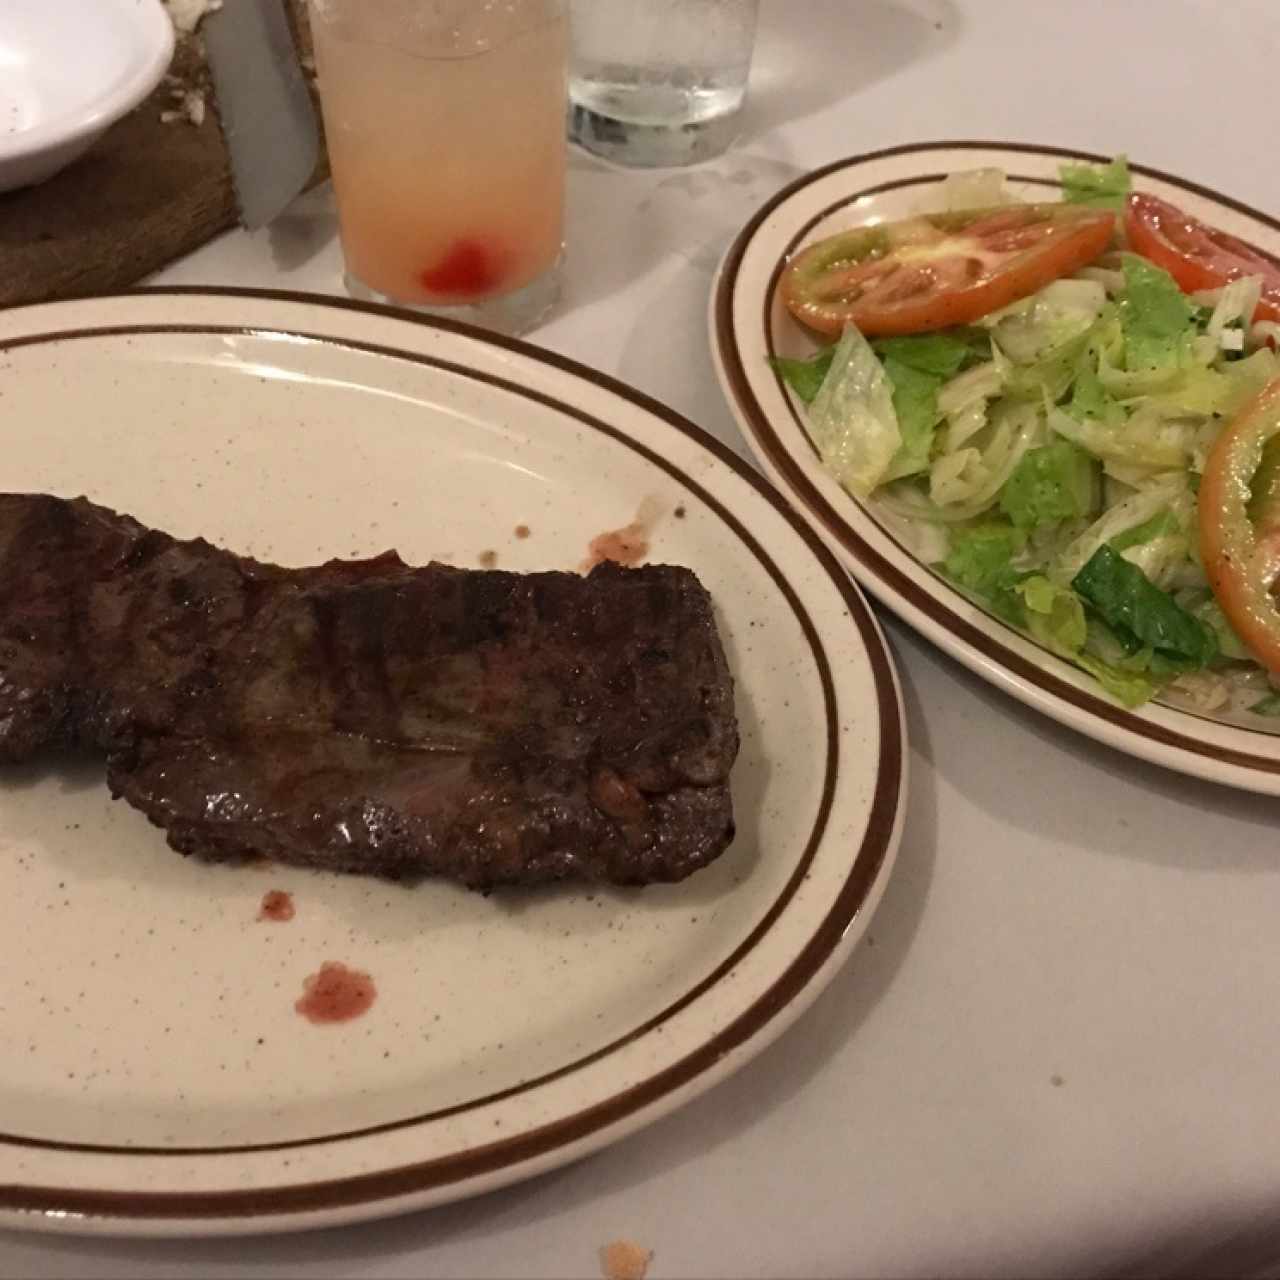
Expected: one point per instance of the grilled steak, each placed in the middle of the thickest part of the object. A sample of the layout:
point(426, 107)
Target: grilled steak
point(368, 716)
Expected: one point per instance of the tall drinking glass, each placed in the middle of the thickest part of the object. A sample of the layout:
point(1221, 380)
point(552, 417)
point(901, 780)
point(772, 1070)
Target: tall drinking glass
point(445, 127)
point(659, 82)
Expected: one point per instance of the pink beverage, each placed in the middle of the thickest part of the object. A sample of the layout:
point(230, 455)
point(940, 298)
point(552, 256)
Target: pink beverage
point(446, 135)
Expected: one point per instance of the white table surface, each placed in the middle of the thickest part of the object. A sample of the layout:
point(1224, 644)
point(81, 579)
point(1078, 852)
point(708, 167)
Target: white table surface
point(1058, 1050)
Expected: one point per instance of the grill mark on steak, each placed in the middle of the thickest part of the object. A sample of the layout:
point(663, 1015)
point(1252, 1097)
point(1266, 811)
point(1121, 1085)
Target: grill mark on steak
point(369, 716)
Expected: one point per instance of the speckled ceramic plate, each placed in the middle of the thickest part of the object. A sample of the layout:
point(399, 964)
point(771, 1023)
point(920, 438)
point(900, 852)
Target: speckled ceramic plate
point(155, 1076)
point(749, 324)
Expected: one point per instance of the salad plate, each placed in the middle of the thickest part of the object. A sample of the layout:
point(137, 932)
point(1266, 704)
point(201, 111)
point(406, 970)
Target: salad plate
point(1202, 713)
point(158, 1077)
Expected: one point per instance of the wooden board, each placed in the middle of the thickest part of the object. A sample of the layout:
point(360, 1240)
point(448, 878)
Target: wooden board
point(145, 194)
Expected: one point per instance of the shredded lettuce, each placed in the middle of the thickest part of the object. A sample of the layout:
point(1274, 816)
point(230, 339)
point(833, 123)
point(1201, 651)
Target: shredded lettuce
point(1047, 459)
point(1149, 440)
point(1161, 525)
point(1210, 613)
point(1102, 186)
point(852, 420)
point(968, 481)
point(975, 189)
point(1030, 330)
point(1233, 309)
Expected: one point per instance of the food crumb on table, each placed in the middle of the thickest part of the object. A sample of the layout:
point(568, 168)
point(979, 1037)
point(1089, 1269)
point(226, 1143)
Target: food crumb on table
point(625, 1260)
point(488, 559)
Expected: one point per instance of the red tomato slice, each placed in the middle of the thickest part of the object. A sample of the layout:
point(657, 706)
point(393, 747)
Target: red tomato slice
point(1240, 529)
point(1198, 256)
point(942, 269)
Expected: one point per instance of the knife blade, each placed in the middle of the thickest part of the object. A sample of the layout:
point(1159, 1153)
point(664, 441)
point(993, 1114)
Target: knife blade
point(268, 120)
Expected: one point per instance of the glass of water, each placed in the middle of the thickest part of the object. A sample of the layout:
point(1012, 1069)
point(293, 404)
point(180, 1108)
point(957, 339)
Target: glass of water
point(659, 82)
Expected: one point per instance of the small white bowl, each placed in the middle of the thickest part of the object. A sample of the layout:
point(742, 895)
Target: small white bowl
point(69, 69)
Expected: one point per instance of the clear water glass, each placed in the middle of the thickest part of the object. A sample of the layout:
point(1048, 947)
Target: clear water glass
point(659, 82)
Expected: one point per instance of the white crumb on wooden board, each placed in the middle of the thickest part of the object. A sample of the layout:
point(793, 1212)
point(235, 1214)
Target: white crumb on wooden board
point(625, 1260)
point(189, 105)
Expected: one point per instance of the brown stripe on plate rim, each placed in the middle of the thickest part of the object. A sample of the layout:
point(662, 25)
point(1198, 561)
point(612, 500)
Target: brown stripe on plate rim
point(513, 1152)
point(889, 575)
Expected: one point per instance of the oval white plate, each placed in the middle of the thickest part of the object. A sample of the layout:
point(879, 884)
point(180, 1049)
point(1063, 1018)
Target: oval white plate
point(749, 323)
point(156, 1077)
point(69, 70)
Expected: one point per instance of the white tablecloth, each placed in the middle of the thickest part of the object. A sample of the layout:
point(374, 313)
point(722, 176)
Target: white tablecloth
point(1056, 1051)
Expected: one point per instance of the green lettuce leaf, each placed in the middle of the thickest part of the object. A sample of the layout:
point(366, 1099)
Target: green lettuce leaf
point(942, 354)
point(1050, 484)
point(980, 560)
point(1091, 400)
point(804, 377)
point(1158, 526)
point(1135, 608)
point(1156, 317)
point(915, 400)
point(1127, 687)
point(1268, 706)
point(1055, 615)
point(1102, 186)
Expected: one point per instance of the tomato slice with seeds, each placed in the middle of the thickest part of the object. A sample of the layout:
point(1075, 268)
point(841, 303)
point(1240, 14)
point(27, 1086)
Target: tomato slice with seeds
point(941, 269)
point(1197, 255)
point(1239, 516)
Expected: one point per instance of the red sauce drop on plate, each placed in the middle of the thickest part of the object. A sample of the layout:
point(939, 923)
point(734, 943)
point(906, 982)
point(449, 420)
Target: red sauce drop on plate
point(469, 270)
point(336, 994)
point(522, 531)
point(626, 546)
point(277, 905)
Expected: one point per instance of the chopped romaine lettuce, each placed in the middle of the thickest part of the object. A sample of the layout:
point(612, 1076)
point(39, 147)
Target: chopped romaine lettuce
point(1055, 615)
point(942, 354)
point(915, 400)
point(1047, 459)
point(852, 420)
point(1129, 687)
point(1136, 608)
point(981, 560)
point(1090, 399)
point(1268, 706)
point(804, 377)
point(1210, 613)
point(1159, 525)
point(1053, 483)
point(1157, 318)
point(1103, 186)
